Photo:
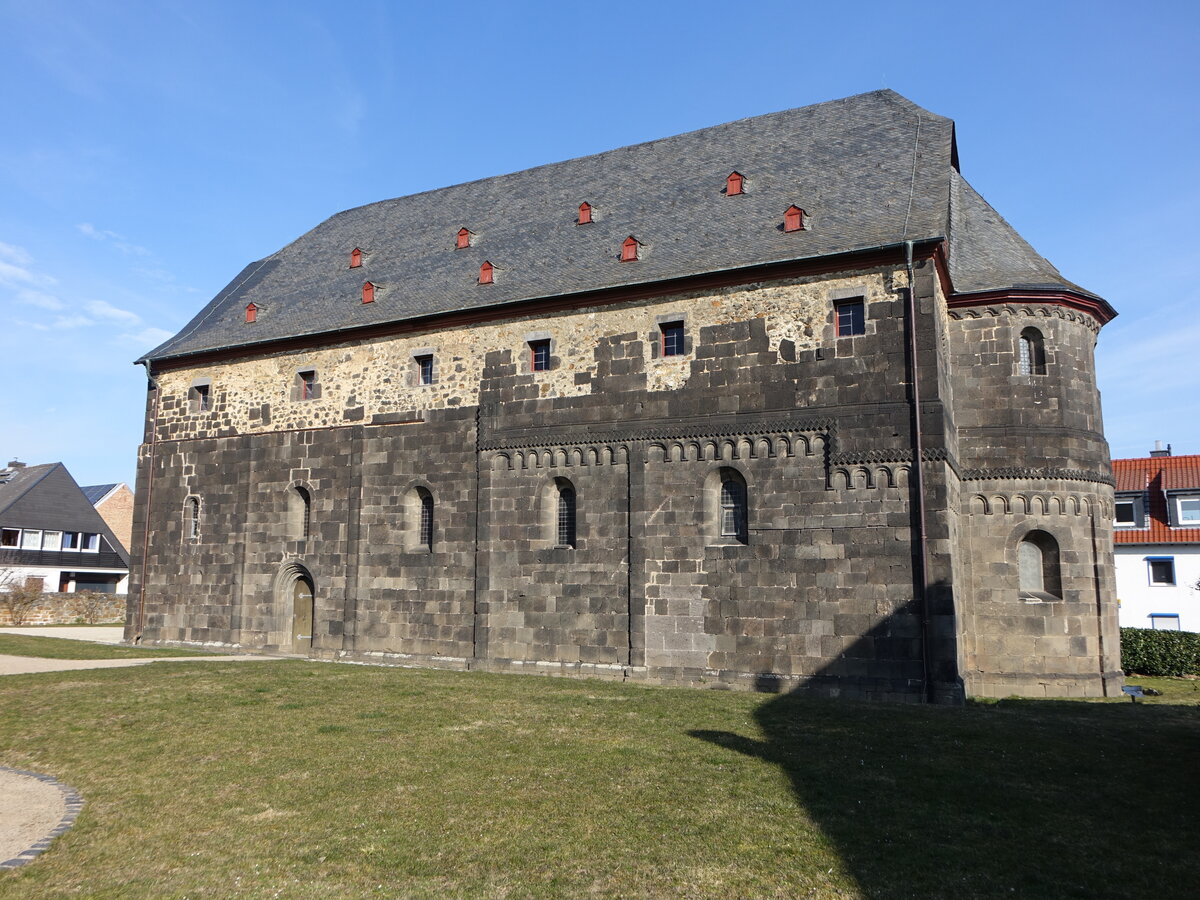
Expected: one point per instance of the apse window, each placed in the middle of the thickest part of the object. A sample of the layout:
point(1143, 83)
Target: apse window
point(1031, 353)
point(672, 339)
point(539, 356)
point(1161, 569)
point(851, 317)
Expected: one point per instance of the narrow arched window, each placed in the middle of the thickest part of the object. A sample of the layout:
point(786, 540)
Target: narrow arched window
point(733, 507)
point(462, 240)
point(425, 525)
point(585, 214)
point(733, 184)
point(355, 258)
point(191, 519)
point(1038, 570)
point(565, 519)
point(1032, 352)
point(299, 513)
point(251, 313)
point(630, 249)
point(487, 273)
point(793, 219)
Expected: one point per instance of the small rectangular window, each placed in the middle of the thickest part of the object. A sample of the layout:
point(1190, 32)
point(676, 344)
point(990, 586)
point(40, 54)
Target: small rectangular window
point(31, 539)
point(1189, 510)
point(672, 338)
point(10, 537)
point(425, 369)
point(52, 540)
point(539, 355)
point(308, 382)
point(70, 540)
point(90, 542)
point(851, 318)
point(1162, 570)
point(200, 401)
point(1164, 622)
point(1124, 513)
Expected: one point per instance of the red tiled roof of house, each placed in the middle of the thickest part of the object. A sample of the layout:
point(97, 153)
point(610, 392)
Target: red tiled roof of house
point(1156, 475)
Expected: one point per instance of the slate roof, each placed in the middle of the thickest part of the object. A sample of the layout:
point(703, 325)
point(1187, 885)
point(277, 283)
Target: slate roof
point(1154, 477)
point(871, 170)
point(97, 492)
point(47, 497)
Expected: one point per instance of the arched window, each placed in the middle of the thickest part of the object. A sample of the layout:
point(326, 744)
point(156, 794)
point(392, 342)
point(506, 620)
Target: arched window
point(793, 219)
point(191, 519)
point(417, 524)
point(299, 513)
point(1038, 566)
point(630, 249)
point(585, 214)
point(425, 525)
point(1032, 351)
point(733, 184)
point(565, 519)
point(733, 525)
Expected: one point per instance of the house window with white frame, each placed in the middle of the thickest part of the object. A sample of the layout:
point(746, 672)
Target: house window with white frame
point(1127, 512)
point(1161, 570)
point(1185, 511)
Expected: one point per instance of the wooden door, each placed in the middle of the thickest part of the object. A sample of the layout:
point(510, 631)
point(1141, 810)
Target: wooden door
point(302, 614)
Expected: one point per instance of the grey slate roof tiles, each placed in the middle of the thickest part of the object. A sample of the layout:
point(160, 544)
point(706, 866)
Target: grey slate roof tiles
point(870, 170)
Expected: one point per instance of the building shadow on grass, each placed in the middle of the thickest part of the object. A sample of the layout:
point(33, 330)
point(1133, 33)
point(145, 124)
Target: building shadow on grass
point(1015, 799)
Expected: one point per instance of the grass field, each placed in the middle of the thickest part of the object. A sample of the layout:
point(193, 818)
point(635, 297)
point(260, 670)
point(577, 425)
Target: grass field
point(60, 648)
point(300, 779)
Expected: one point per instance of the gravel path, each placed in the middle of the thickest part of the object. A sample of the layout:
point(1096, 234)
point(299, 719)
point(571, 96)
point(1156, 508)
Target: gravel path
point(34, 809)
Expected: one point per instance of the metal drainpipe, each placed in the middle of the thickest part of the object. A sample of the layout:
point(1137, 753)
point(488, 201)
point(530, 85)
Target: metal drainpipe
point(141, 613)
point(919, 472)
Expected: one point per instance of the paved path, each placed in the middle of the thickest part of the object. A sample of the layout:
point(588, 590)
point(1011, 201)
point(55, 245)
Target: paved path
point(24, 665)
point(100, 634)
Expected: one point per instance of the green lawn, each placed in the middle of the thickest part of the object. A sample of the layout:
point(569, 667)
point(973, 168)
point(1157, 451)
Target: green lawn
point(64, 648)
point(300, 779)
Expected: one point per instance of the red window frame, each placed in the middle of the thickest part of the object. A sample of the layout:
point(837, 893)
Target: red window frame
point(539, 356)
point(733, 184)
point(355, 258)
point(308, 382)
point(368, 292)
point(487, 273)
point(793, 219)
point(251, 313)
point(630, 249)
point(462, 240)
point(585, 214)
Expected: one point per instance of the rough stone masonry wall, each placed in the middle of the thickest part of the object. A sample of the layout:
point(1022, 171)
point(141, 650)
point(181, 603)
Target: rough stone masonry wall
point(819, 427)
point(66, 609)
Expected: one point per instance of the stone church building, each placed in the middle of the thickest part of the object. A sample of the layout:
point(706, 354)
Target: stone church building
point(779, 404)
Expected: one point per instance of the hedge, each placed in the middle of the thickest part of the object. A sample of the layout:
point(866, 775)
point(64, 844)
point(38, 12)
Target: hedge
point(1149, 652)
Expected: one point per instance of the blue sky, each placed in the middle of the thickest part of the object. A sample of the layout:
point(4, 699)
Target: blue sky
point(151, 150)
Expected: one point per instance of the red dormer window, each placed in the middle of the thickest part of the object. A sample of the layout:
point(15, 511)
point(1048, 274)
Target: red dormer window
point(486, 273)
point(368, 293)
point(251, 313)
point(355, 258)
point(462, 240)
point(793, 219)
point(630, 249)
point(585, 214)
point(733, 184)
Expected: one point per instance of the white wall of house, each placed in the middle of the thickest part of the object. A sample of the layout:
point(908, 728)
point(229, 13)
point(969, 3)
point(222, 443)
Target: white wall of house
point(52, 576)
point(1139, 597)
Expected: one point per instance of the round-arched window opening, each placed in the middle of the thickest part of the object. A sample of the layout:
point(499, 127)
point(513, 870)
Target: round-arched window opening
point(1038, 569)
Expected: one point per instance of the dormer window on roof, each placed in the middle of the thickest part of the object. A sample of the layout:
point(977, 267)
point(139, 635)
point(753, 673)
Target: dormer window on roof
point(368, 292)
point(463, 239)
point(630, 249)
point(585, 214)
point(355, 258)
point(486, 273)
point(251, 313)
point(734, 183)
point(793, 219)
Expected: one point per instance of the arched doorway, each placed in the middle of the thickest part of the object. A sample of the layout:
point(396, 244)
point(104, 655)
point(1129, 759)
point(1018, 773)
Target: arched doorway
point(302, 613)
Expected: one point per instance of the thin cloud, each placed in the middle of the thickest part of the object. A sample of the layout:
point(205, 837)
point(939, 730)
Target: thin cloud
point(72, 321)
point(146, 337)
point(39, 298)
point(111, 237)
point(105, 310)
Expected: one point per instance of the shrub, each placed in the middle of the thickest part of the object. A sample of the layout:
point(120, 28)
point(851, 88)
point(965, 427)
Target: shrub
point(1149, 652)
point(91, 605)
point(20, 600)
